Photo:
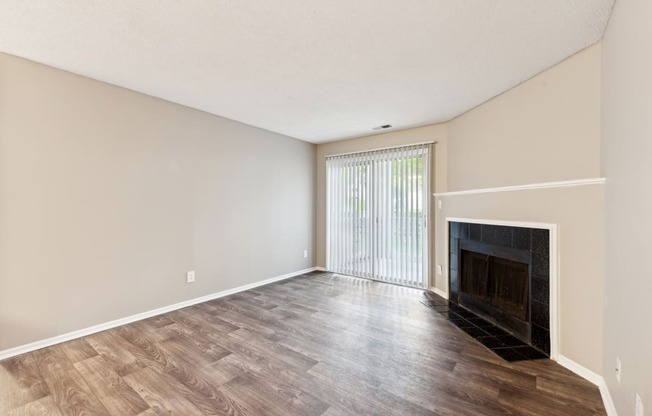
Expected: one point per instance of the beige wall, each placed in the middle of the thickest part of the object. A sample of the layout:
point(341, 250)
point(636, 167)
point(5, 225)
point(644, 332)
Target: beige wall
point(436, 132)
point(546, 129)
point(107, 198)
point(627, 164)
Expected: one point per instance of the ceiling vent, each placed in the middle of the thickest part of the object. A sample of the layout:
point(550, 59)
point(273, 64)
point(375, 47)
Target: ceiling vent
point(383, 127)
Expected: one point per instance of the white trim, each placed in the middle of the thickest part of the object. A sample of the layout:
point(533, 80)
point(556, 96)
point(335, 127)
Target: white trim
point(594, 378)
point(320, 269)
point(580, 370)
point(554, 268)
point(606, 399)
point(543, 185)
point(381, 148)
point(555, 293)
point(440, 292)
point(447, 240)
point(425, 236)
point(328, 215)
point(525, 224)
point(22, 349)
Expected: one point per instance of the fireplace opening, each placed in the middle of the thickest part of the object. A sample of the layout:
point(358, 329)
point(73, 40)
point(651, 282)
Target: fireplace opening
point(495, 283)
point(500, 283)
point(501, 273)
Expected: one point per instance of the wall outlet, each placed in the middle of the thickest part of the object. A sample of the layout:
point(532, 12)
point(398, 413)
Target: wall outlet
point(305, 254)
point(190, 277)
point(439, 204)
point(439, 269)
point(619, 369)
point(639, 405)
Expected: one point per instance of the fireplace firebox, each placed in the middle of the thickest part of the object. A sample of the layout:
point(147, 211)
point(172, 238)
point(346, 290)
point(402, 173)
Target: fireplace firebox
point(502, 274)
point(495, 283)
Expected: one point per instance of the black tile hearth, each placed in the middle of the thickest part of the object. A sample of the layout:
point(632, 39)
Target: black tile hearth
point(461, 322)
point(490, 342)
point(464, 313)
point(495, 331)
point(541, 338)
point(508, 354)
point(499, 341)
point(474, 331)
point(530, 353)
point(479, 322)
point(510, 341)
point(501, 241)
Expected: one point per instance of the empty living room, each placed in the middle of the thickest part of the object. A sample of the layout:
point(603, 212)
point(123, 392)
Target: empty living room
point(325, 208)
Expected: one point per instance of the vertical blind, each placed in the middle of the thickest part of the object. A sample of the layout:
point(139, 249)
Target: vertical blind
point(377, 204)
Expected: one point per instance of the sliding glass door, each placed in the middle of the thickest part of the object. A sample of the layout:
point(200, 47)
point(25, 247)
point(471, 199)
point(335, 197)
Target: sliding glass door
point(377, 210)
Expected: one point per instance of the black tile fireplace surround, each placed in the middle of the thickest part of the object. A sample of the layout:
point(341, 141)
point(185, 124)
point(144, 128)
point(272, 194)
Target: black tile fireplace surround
point(516, 258)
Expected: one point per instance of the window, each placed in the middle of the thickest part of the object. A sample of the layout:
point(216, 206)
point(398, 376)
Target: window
point(377, 214)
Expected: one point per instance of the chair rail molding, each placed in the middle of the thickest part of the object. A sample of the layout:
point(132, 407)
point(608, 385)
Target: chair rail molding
point(542, 185)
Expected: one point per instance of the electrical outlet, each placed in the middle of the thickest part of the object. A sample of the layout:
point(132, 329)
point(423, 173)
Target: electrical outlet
point(190, 277)
point(305, 254)
point(619, 369)
point(439, 269)
point(639, 405)
point(439, 204)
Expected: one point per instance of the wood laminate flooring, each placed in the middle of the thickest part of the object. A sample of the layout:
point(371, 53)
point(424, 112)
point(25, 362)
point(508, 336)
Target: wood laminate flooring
point(317, 344)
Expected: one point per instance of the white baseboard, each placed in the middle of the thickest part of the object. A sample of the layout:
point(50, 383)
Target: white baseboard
point(22, 349)
point(580, 370)
point(606, 399)
point(440, 292)
point(321, 269)
point(594, 378)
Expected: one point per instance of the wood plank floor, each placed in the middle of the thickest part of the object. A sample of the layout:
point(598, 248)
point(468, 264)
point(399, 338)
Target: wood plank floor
point(318, 344)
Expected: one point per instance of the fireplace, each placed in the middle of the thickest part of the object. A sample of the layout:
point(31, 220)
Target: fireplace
point(501, 273)
point(495, 282)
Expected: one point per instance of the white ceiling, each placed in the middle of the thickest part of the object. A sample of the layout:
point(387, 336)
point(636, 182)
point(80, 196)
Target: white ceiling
point(315, 70)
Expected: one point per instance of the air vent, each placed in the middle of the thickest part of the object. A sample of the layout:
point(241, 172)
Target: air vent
point(383, 127)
